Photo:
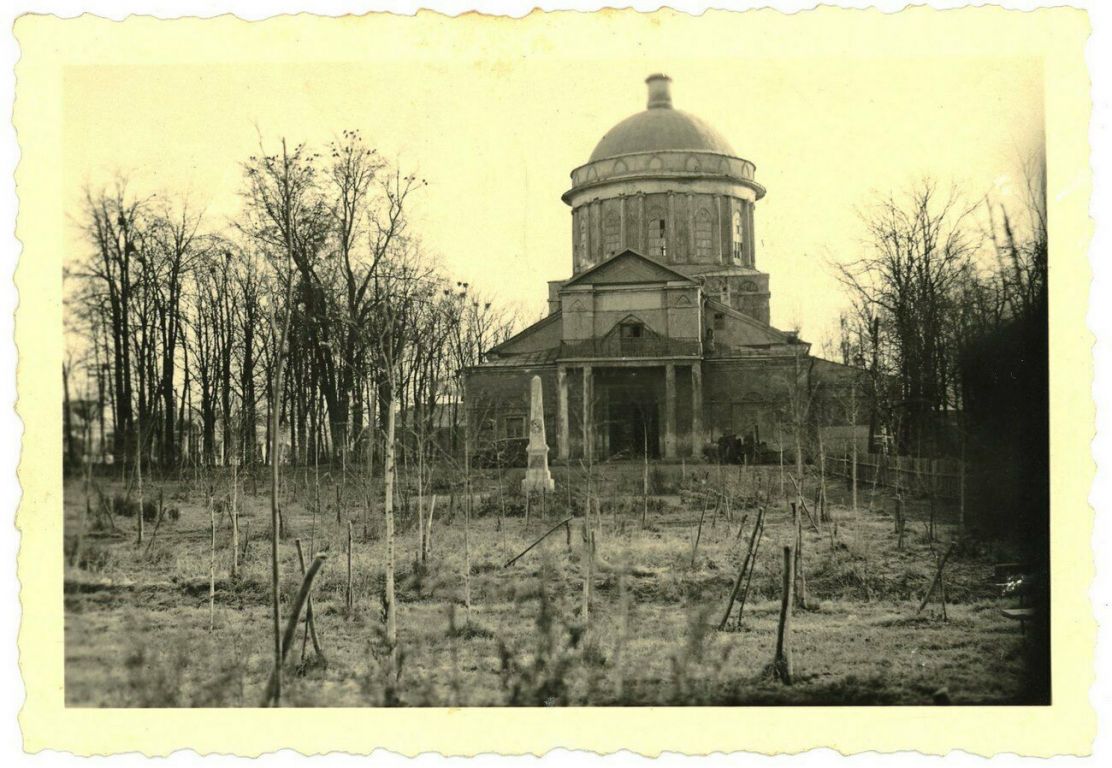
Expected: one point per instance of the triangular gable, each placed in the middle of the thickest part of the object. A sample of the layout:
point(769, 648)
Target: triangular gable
point(627, 267)
point(631, 318)
point(742, 330)
point(543, 334)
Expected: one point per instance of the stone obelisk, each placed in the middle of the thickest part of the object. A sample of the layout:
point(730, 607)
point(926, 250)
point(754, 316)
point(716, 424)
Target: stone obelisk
point(537, 476)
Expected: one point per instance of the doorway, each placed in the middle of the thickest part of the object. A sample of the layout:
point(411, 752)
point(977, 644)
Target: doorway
point(631, 400)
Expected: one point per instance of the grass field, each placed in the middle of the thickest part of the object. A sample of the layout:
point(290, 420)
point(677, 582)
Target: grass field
point(138, 618)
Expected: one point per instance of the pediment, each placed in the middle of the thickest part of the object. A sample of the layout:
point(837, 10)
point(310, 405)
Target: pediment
point(541, 335)
point(627, 267)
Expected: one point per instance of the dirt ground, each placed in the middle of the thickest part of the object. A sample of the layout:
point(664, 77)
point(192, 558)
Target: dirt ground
point(138, 618)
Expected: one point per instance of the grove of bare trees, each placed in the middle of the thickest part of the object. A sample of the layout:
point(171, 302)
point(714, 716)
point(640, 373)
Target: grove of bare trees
point(949, 327)
point(172, 317)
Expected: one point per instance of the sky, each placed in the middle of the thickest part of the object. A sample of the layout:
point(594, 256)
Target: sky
point(496, 126)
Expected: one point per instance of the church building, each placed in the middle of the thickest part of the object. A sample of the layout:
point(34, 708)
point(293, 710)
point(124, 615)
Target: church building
point(659, 341)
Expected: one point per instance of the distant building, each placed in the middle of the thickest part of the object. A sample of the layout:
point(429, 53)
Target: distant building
point(85, 441)
point(659, 341)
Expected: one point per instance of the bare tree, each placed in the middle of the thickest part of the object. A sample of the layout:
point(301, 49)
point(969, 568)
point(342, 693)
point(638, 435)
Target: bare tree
point(918, 249)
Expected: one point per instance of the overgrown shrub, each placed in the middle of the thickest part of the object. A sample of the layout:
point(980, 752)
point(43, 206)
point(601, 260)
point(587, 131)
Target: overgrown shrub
point(125, 506)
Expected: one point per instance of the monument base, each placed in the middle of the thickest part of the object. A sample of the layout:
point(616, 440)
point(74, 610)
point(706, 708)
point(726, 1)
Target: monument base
point(538, 478)
point(536, 483)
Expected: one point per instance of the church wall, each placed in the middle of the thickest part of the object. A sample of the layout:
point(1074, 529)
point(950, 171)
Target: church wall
point(578, 316)
point(741, 394)
point(647, 306)
point(612, 307)
point(592, 314)
point(498, 400)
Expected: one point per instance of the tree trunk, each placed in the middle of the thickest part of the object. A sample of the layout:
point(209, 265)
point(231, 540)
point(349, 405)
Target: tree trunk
point(235, 520)
point(275, 514)
point(388, 482)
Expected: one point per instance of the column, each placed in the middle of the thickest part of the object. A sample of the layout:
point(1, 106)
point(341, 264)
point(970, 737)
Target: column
point(622, 243)
point(697, 410)
point(670, 411)
point(691, 258)
point(562, 405)
point(588, 421)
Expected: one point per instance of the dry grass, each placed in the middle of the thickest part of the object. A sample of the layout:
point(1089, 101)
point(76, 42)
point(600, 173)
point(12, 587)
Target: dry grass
point(137, 622)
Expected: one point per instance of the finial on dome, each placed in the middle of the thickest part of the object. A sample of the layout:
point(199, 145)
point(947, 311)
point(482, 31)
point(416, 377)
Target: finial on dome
point(660, 91)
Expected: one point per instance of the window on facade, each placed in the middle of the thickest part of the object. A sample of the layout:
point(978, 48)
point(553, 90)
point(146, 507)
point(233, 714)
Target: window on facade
point(658, 236)
point(515, 427)
point(612, 233)
point(719, 321)
point(632, 330)
point(703, 237)
point(724, 291)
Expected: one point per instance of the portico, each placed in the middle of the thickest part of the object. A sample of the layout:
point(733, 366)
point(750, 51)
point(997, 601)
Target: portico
point(626, 408)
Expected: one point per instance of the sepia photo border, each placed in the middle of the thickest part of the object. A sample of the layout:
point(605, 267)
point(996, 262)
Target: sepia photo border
point(1057, 36)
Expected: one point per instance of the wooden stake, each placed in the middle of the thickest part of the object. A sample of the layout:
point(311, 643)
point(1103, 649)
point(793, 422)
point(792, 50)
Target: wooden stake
point(588, 577)
point(271, 697)
point(566, 521)
point(212, 563)
point(745, 567)
point(899, 521)
point(310, 621)
point(699, 534)
point(350, 597)
point(937, 578)
point(752, 566)
point(800, 577)
point(428, 528)
point(942, 594)
point(782, 663)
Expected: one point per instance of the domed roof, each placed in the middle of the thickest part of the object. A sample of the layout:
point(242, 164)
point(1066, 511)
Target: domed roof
point(660, 128)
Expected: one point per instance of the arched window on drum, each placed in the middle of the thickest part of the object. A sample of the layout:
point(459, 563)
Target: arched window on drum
point(658, 234)
point(703, 237)
point(612, 233)
point(722, 288)
point(584, 256)
point(738, 239)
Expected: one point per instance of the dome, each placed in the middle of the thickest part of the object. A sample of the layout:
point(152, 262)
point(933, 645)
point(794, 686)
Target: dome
point(660, 128)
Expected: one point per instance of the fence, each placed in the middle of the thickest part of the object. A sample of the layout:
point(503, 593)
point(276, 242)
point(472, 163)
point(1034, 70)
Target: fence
point(942, 477)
